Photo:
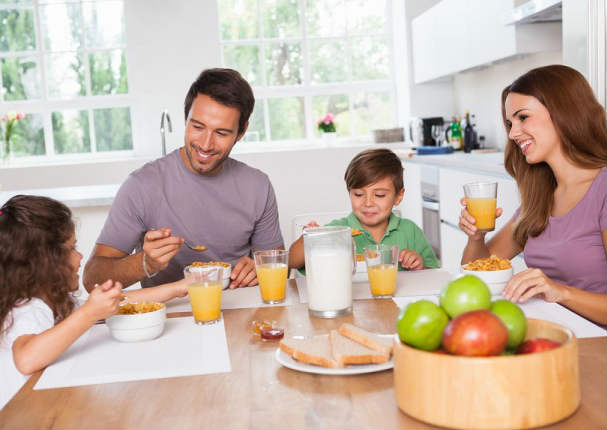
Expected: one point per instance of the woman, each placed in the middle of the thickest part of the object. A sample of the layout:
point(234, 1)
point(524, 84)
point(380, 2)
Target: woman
point(557, 153)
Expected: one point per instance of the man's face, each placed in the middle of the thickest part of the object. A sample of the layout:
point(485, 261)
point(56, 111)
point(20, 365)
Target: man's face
point(211, 132)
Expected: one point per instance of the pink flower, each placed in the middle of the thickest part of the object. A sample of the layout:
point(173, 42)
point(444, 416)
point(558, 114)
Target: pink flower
point(20, 115)
point(4, 119)
point(328, 118)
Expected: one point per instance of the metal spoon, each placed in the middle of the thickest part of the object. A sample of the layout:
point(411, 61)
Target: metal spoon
point(197, 248)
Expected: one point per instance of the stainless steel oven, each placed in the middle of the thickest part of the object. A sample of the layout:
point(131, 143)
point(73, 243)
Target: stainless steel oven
point(430, 207)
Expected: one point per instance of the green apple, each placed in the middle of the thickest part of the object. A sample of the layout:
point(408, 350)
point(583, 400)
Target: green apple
point(513, 318)
point(464, 294)
point(421, 324)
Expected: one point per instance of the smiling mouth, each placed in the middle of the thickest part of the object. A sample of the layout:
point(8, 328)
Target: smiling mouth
point(524, 145)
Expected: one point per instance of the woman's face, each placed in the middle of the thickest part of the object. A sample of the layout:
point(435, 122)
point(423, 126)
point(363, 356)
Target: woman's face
point(531, 128)
point(75, 259)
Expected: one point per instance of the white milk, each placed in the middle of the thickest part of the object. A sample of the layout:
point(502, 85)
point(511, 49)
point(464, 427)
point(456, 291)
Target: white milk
point(329, 279)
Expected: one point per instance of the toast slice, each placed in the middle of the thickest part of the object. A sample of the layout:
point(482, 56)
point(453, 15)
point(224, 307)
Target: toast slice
point(314, 350)
point(373, 341)
point(346, 351)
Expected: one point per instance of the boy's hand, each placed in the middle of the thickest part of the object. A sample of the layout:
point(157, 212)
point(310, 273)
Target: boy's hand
point(103, 300)
point(410, 260)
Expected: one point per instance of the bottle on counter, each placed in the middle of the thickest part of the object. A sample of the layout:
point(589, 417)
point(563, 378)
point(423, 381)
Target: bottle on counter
point(453, 134)
point(468, 144)
point(475, 143)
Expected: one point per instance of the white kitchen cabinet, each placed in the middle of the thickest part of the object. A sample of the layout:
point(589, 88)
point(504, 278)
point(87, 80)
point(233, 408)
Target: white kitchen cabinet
point(411, 206)
point(455, 35)
point(453, 242)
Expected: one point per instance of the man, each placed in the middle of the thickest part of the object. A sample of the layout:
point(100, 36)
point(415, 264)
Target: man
point(195, 194)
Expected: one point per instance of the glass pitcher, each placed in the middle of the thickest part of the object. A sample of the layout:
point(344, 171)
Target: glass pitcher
point(330, 255)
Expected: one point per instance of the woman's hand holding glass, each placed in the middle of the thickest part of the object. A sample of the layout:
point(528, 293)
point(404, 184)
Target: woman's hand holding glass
point(533, 282)
point(467, 221)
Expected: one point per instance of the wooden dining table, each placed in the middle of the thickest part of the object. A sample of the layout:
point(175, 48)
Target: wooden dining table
point(260, 393)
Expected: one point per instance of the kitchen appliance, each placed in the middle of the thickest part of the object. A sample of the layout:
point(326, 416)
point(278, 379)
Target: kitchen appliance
point(430, 207)
point(330, 255)
point(415, 128)
point(427, 124)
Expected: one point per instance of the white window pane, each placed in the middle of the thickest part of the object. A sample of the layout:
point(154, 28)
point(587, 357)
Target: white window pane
point(366, 17)
point(283, 64)
point(370, 58)
point(20, 78)
point(28, 136)
point(65, 75)
point(19, 2)
point(280, 18)
point(245, 59)
point(371, 111)
point(61, 26)
point(71, 132)
point(108, 72)
point(327, 61)
point(104, 24)
point(113, 129)
point(336, 104)
point(238, 19)
point(256, 132)
point(286, 118)
point(325, 17)
point(17, 30)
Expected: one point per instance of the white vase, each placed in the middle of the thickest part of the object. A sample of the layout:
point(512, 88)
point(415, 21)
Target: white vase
point(329, 138)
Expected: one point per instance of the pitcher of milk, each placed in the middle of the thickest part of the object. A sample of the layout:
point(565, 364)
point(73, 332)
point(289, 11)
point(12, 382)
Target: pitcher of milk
point(330, 256)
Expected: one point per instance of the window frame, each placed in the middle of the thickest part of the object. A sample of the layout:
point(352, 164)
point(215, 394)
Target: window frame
point(307, 90)
point(46, 105)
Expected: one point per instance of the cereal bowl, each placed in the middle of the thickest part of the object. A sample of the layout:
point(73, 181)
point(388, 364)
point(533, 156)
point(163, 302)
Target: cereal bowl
point(139, 326)
point(496, 280)
point(227, 270)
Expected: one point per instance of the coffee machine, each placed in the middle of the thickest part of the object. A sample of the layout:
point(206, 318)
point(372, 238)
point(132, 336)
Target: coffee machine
point(427, 124)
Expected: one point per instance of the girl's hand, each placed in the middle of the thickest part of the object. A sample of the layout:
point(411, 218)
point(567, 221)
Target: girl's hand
point(103, 300)
point(467, 221)
point(410, 260)
point(533, 282)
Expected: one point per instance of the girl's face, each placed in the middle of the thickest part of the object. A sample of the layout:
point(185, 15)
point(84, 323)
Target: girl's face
point(372, 204)
point(531, 128)
point(75, 259)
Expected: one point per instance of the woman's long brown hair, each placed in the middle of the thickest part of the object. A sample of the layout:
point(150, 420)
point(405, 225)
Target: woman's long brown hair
point(580, 123)
point(34, 257)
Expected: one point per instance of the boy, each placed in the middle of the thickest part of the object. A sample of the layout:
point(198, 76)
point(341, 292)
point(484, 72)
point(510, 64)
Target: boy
point(374, 179)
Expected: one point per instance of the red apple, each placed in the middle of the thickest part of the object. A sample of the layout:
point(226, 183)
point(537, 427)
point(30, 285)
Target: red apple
point(476, 333)
point(537, 345)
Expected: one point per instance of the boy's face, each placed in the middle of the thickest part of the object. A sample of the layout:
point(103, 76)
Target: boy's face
point(373, 203)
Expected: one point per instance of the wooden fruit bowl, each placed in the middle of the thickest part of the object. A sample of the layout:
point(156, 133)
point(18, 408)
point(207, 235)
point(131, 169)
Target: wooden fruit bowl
point(503, 392)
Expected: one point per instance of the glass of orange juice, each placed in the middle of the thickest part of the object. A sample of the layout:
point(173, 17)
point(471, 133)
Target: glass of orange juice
point(204, 289)
point(481, 202)
point(272, 271)
point(382, 266)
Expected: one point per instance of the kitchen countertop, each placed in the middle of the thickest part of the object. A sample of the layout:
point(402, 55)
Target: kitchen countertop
point(490, 163)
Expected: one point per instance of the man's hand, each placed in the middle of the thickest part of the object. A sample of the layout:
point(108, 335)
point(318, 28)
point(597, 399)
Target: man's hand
point(243, 273)
point(159, 247)
point(410, 260)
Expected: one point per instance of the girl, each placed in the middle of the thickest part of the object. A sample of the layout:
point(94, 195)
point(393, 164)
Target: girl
point(557, 153)
point(38, 273)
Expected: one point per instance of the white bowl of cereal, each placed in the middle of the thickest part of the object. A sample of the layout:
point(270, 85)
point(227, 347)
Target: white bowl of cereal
point(493, 271)
point(227, 269)
point(137, 322)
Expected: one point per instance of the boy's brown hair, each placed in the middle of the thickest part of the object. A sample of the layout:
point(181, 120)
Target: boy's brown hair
point(373, 165)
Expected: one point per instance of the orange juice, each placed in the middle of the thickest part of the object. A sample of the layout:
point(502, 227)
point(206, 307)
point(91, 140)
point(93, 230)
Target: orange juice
point(483, 210)
point(206, 301)
point(272, 279)
point(382, 279)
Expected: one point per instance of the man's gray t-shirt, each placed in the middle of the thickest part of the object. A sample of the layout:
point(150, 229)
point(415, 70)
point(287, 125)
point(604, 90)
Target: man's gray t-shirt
point(230, 213)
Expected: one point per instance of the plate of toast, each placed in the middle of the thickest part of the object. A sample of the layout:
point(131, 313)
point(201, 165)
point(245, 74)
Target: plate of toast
point(350, 350)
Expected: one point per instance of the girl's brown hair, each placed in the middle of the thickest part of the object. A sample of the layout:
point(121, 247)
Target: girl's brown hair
point(580, 123)
point(373, 165)
point(34, 257)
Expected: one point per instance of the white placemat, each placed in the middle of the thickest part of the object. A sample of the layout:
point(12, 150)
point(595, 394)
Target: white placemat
point(237, 298)
point(183, 349)
point(415, 283)
point(538, 309)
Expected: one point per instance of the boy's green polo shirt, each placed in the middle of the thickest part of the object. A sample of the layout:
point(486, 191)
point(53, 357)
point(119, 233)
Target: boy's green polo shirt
point(400, 231)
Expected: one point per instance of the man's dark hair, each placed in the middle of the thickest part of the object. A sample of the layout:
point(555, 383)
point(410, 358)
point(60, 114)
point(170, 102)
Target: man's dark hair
point(226, 86)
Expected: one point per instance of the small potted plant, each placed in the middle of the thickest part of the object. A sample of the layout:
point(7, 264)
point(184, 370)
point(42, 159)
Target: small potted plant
point(326, 126)
point(9, 121)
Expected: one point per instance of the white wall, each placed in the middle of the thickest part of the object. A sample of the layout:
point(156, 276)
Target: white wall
point(480, 92)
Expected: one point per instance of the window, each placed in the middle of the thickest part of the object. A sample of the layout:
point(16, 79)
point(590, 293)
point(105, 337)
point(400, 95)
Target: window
point(305, 58)
point(63, 64)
